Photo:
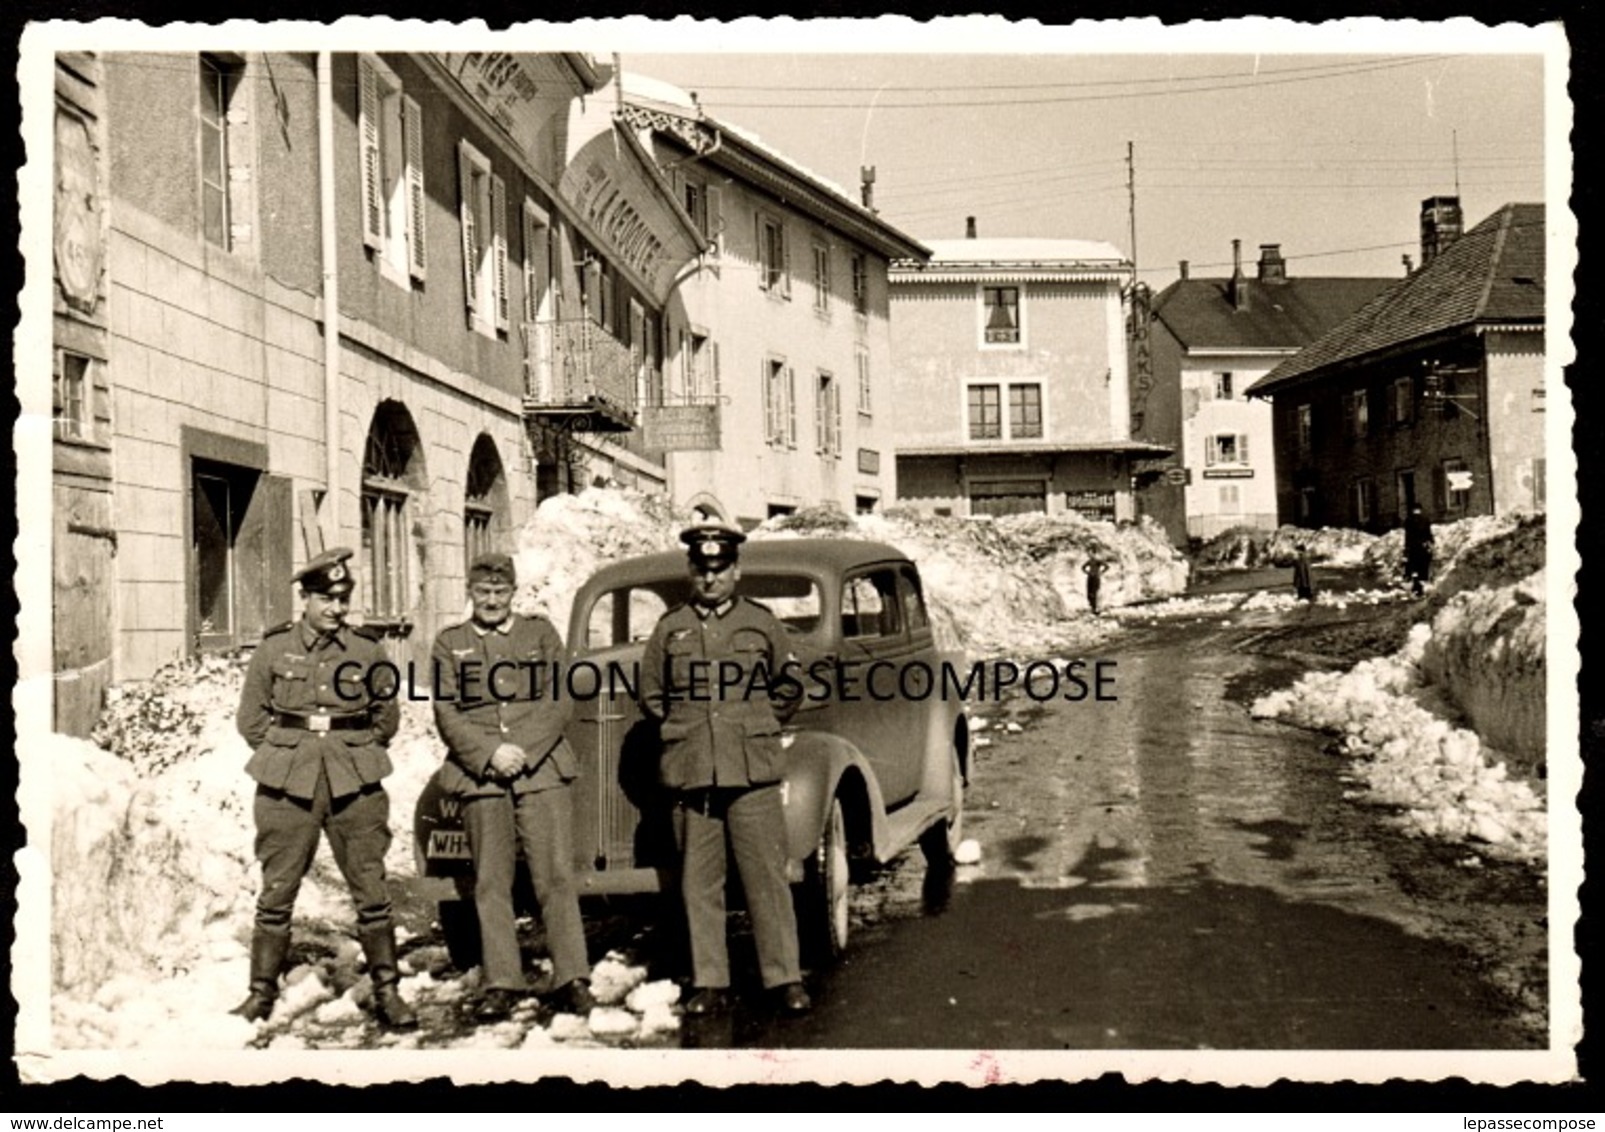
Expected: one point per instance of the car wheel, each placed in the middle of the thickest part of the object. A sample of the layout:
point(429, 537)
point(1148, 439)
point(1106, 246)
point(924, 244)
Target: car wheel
point(822, 897)
point(940, 843)
point(459, 923)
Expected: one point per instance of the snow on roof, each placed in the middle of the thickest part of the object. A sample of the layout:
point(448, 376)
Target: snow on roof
point(1025, 249)
point(640, 88)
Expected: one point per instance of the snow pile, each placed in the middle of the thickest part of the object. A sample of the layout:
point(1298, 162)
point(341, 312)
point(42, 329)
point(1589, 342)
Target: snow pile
point(569, 536)
point(1487, 650)
point(1008, 584)
point(1250, 547)
point(990, 584)
point(185, 707)
point(1453, 540)
point(1437, 774)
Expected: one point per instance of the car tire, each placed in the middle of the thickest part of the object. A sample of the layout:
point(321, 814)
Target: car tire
point(822, 898)
point(940, 842)
point(459, 924)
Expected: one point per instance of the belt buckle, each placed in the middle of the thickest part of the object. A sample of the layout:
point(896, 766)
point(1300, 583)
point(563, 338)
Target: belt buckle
point(318, 721)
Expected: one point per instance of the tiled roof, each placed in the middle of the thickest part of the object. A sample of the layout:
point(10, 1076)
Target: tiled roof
point(1493, 273)
point(1288, 315)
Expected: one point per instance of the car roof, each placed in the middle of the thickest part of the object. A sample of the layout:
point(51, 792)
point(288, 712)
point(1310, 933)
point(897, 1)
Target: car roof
point(805, 555)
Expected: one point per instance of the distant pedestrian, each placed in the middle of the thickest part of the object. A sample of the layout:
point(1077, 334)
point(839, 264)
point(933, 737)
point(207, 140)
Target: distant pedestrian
point(1303, 575)
point(1094, 568)
point(1417, 549)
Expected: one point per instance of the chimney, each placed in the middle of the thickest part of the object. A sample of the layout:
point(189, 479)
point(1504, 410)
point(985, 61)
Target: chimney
point(1237, 288)
point(969, 227)
point(866, 186)
point(1409, 264)
point(1272, 267)
point(1441, 225)
point(1183, 267)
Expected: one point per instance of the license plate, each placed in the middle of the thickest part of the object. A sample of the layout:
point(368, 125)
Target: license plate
point(449, 845)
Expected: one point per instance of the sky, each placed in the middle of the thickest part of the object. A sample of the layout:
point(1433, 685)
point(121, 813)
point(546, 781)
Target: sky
point(1329, 156)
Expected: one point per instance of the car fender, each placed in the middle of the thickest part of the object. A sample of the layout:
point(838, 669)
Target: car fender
point(818, 764)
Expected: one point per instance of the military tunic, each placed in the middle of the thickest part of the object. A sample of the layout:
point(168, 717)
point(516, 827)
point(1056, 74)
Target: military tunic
point(312, 773)
point(722, 753)
point(495, 686)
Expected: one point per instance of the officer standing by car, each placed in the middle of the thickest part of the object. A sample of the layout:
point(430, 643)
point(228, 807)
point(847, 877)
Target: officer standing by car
point(310, 712)
point(723, 759)
point(501, 717)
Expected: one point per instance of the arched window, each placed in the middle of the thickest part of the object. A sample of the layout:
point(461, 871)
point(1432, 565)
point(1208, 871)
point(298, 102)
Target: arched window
point(485, 506)
point(392, 473)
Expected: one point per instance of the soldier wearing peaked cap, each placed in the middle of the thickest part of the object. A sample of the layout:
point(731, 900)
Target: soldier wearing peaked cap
point(508, 761)
point(319, 738)
point(723, 758)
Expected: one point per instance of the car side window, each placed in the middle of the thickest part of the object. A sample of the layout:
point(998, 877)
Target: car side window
point(870, 607)
point(908, 585)
point(624, 615)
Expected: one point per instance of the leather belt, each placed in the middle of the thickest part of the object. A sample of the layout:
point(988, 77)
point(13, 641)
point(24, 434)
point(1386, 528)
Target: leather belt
point(323, 721)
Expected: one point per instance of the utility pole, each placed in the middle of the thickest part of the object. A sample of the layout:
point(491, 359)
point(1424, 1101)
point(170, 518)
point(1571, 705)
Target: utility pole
point(1131, 199)
point(1454, 140)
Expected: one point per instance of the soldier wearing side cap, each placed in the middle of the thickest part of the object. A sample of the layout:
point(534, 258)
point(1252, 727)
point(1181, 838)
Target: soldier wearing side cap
point(510, 764)
point(723, 759)
point(319, 715)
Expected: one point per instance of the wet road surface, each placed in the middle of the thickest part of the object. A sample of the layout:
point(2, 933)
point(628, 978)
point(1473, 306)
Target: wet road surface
point(1166, 872)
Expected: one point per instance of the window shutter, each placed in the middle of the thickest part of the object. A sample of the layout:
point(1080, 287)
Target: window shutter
point(715, 207)
point(785, 262)
point(791, 407)
point(820, 390)
point(412, 145)
point(762, 258)
point(766, 376)
point(368, 135)
point(713, 359)
point(498, 223)
point(465, 181)
point(1242, 448)
point(1209, 450)
point(531, 272)
point(836, 416)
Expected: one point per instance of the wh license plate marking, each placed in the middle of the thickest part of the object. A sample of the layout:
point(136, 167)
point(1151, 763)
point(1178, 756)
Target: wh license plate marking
point(449, 845)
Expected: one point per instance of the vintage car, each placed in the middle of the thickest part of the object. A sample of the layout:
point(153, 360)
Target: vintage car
point(876, 761)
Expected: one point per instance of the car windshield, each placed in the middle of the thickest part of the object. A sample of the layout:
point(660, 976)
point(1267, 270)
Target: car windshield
point(628, 613)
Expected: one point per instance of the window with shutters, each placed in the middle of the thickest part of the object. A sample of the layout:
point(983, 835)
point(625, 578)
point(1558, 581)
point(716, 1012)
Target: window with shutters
point(483, 206)
point(538, 266)
point(822, 280)
point(225, 147)
point(390, 129)
point(780, 403)
point(1357, 413)
point(1363, 501)
point(1304, 430)
point(865, 399)
point(1223, 386)
point(827, 415)
point(860, 272)
point(774, 261)
point(1226, 448)
point(697, 362)
point(1404, 405)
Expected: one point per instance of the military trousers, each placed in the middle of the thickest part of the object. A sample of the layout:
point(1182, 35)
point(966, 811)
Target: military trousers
point(287, 830)
point(541, 826)
point(749, 824)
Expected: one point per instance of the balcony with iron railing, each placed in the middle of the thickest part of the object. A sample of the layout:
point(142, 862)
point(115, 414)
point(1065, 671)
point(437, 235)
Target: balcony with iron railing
point(575, 372)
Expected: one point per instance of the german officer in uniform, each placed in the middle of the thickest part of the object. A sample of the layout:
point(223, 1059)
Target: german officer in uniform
point(319, 737)
point(723, 759)
point(508, 761)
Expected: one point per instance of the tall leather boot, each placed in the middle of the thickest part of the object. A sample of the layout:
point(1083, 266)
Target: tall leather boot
point(267, 959)
point(379, 945)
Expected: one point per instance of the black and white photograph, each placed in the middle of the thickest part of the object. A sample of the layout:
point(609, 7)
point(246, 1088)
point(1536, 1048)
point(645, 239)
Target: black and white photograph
point(802, 551)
